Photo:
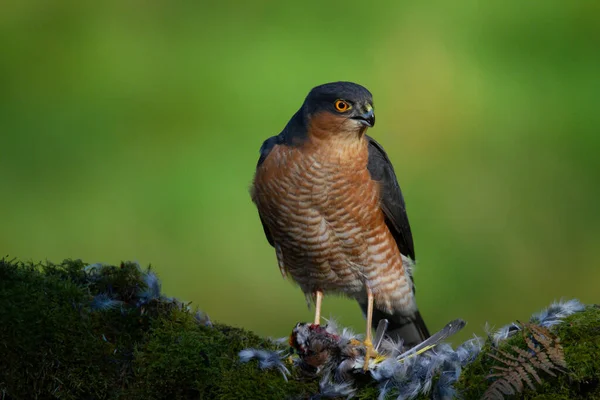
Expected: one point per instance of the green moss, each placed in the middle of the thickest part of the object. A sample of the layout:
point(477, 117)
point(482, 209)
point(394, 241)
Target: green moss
point(202, 362)
point(47, 338)
point(54, 345)
point(580, 337)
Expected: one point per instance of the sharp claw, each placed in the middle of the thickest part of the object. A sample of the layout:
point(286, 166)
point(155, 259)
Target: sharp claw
point(369, 353)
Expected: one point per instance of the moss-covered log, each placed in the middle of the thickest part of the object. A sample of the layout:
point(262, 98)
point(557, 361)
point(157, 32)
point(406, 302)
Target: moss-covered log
point(78, 331)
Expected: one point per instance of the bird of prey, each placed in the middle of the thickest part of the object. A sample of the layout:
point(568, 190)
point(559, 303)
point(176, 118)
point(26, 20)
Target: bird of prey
point(330, 205)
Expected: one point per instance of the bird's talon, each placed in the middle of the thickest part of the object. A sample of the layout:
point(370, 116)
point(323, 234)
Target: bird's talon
point(369, 353)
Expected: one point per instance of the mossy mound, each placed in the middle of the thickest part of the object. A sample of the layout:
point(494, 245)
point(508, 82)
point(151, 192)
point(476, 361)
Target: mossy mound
point(69, 333)
point(78, 331)
point(580, 338)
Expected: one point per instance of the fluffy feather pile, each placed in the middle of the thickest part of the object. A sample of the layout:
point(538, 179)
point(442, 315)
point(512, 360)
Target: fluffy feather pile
point(337, 357)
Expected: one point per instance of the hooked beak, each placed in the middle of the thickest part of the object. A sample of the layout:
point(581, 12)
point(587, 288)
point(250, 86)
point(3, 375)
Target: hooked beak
point(367, 118)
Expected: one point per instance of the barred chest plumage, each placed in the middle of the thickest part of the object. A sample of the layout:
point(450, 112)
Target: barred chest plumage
point(322, 209)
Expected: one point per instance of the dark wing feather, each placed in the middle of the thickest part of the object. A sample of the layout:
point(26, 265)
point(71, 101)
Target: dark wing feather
point(392, 202)
point(265, 149)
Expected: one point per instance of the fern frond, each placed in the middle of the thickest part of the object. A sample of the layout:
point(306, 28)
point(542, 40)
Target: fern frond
point(520, 368)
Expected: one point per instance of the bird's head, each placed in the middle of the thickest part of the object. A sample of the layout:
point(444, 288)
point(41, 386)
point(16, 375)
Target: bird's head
point(343, 109)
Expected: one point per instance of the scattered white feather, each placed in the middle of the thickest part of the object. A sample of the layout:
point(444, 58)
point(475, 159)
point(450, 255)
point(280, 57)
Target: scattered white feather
point(202, 318)
point(281, 341)
point(469, 350)
point(152, 289)
point(556, 312)
point(346, 334)
point(266, 359)
point(332, 389)
point(505, 332)
point(91, 268)
point(104, 302)
point(391, 347)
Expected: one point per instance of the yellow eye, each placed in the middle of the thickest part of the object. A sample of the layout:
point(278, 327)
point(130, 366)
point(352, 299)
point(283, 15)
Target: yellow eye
point(341, 106)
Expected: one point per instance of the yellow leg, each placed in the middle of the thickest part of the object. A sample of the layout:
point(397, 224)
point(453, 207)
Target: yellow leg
point(318, 300)
point(370, 352)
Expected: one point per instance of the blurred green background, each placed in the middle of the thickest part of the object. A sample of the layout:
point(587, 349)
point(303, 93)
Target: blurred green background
point(130, 131)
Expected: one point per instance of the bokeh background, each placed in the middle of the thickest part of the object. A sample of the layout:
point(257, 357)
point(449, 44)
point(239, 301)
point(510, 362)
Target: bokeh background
point(130, 130)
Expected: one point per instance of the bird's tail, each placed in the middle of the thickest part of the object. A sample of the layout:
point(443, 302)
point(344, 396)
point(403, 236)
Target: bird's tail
point(411, 329)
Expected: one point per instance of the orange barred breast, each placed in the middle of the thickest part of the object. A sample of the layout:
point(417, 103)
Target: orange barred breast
point(322, 209)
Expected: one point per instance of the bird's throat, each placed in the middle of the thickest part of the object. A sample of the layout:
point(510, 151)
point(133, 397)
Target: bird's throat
point(344, 150)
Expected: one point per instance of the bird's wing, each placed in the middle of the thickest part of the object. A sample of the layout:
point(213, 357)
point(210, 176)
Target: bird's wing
point(391, 200)
point(265, 149)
